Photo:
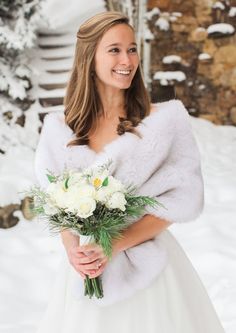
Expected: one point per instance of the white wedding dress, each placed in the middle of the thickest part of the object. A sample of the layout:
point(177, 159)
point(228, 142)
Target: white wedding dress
point(176, 302)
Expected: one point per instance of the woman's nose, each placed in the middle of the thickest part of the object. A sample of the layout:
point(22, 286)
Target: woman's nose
point(125, 58)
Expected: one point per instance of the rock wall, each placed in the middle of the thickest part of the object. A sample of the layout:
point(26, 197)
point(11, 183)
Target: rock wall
point(201, 69)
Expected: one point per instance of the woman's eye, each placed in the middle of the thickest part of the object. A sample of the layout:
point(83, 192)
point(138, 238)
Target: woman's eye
point(115, 50)
point(133, 50)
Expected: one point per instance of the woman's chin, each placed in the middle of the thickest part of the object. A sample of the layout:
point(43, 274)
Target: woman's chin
point(123, 85)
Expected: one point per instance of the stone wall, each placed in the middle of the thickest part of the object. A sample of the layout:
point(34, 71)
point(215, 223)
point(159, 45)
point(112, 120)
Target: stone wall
point(202, 72)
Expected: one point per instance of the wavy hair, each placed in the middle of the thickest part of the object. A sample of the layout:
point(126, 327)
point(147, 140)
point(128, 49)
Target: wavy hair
point(82, 101)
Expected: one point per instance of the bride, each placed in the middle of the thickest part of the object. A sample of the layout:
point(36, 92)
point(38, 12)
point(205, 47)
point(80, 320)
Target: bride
point(149, 284)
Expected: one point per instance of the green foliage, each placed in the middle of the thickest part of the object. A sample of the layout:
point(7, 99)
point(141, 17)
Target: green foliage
point(105, 182)
point(51, 178)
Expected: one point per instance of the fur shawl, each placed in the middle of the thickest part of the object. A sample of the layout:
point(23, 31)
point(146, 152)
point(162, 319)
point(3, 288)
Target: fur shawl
point(164, 163)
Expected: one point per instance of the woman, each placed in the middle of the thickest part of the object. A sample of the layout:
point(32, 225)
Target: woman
point(149, 285)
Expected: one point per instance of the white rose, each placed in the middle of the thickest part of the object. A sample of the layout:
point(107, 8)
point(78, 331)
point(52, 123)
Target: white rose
point(75, 194)
point(114, 185)
point(76, 178)
point(116, 200)
point(57, 193)
point(102, 194)
point(81, 191)
point(85, 207)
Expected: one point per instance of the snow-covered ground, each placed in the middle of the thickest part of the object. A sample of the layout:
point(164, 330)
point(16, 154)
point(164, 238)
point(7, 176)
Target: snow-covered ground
point(29, 256)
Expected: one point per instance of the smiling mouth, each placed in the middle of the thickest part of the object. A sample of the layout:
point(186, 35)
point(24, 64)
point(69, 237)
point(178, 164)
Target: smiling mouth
point(122, 72)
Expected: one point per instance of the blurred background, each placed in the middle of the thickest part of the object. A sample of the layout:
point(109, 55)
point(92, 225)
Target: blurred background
point(188, 51)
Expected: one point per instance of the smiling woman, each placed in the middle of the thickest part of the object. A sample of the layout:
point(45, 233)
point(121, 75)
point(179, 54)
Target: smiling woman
point(116, 63)
point(105, 77)
point(149, 284)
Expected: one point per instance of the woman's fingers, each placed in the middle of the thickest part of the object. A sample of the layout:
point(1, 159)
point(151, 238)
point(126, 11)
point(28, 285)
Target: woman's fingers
point(88, 260)
point(91, 266)
point(97, 272)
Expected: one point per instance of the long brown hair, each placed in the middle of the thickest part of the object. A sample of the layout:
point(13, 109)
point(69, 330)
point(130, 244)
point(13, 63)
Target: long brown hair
point(82, 101)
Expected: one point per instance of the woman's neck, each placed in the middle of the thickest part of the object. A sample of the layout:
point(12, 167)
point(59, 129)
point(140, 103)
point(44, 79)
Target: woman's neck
point(113, 102)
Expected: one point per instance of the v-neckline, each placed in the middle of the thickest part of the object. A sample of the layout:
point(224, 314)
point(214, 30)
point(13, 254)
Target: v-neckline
point(105, 146)
point(119, 138)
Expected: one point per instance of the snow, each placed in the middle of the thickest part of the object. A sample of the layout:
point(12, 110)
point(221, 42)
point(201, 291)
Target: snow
point(218, 5)
point(165, 77)
point(57, 65)
point(232, 12)
point(54, 108)
point(162, 23)
point(224, 28)
point(170, 59)
point(177, 14)
point(22, 71)
point(30, 257)
point(200, 29)
point(71, 12)
point(66, 39)
point(148, 35)
point(58, 52)
point(204, 56)
point(16, 165)
point(151, 13)
point(201, 86)
point(56, 78)
point(15, 86)
point(57, 93)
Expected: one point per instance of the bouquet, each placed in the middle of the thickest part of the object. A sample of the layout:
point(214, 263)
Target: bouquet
point(90, 203)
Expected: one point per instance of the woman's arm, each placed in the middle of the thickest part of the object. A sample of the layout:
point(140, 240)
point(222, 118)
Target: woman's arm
point(144, 229)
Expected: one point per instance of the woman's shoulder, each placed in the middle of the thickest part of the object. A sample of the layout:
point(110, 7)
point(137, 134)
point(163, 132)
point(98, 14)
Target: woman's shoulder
point(173, 106)
point(54, 118)
point(55, 121)
point(169, 115)
point(54, 126)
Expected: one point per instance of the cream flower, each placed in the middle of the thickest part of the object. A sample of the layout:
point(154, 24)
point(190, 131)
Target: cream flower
point(103, 194)
point(116, 200)
point(85, 207)
point(115, 185)
point(76, 193)
point(76, 178)
point(57, 193)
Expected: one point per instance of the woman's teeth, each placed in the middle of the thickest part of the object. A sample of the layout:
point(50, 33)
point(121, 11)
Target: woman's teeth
point(122, 72)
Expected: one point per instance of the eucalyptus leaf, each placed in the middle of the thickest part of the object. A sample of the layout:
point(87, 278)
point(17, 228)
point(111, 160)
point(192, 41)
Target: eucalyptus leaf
point(105, 182)
point(66, 183)
point(51, 178)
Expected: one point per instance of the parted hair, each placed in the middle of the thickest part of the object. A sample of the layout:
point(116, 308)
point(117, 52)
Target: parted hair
point(82, 101)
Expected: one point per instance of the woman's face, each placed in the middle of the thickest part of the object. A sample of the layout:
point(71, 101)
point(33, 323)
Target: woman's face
point(116, 58)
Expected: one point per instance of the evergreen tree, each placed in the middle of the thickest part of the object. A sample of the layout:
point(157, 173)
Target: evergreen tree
point(19, 20)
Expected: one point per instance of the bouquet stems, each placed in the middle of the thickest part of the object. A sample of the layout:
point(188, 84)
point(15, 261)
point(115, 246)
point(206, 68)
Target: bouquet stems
point(93, 286)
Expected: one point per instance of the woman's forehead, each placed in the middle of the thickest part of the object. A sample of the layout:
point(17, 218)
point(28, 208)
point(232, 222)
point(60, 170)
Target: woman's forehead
point(118, 34)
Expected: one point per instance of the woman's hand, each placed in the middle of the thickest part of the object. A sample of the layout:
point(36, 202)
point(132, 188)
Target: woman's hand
point(74, 257)
point(92, 260)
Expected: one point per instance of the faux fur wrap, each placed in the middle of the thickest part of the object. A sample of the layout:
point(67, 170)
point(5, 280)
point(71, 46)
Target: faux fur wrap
point(164, 163)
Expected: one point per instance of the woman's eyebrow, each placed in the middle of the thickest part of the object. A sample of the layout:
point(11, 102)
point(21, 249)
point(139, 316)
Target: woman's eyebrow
point(118, 44)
